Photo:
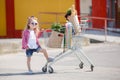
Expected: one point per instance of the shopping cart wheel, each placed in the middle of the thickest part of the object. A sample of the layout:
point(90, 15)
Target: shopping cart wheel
point(44, 69)
point(81, 65)
point(50, 69)
point(91, 67)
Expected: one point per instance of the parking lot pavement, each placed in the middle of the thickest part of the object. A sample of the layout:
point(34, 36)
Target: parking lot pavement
point(105, 56)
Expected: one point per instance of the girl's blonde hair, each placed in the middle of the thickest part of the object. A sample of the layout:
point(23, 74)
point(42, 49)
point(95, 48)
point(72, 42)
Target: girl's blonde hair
point(29, 20)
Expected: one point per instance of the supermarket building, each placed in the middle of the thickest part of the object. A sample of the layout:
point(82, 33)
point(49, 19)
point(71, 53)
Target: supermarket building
point(14, 13)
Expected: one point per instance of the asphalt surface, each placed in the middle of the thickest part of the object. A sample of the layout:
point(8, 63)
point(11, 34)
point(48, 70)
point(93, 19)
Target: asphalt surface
point(105, 56)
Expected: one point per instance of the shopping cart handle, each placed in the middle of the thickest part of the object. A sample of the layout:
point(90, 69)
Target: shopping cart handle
point(60, 35)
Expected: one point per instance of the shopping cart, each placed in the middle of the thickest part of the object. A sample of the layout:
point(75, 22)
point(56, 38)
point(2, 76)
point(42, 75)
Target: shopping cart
point(75, 49)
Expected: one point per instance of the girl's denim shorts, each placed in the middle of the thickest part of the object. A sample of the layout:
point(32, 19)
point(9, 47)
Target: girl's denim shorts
point(29, 52)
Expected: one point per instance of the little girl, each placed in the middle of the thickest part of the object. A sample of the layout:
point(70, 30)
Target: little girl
point(30, 41)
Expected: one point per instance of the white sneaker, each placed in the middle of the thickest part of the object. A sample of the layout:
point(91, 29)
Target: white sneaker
point(50, 59)
point(30, 72)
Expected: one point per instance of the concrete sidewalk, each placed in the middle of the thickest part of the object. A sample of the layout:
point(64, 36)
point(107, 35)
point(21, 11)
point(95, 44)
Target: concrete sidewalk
point(105, 56)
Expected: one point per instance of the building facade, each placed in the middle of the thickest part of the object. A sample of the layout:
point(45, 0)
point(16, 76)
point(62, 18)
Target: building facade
point(15, 12)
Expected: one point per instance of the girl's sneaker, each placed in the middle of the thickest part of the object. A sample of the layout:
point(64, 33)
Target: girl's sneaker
point(50, 59)
point(30, 72)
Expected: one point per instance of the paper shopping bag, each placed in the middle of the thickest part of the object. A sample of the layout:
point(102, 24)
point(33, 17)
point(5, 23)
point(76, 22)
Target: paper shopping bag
point(55, 40)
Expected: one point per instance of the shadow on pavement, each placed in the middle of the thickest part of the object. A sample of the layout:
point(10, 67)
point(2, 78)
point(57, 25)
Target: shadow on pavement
point(24, 73)
point(96, 41)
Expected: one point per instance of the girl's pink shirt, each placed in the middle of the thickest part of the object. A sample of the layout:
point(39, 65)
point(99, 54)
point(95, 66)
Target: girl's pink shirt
point(25, 38)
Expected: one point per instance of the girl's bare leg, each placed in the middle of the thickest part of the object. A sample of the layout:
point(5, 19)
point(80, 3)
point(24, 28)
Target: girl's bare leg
point(45, 53)
point(28, 63)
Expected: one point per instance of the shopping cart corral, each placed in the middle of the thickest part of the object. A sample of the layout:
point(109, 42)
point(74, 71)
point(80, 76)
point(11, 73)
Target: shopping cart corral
point(75, 49)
